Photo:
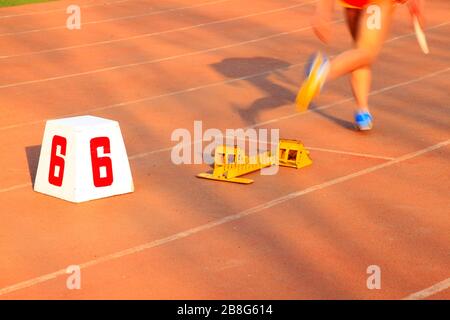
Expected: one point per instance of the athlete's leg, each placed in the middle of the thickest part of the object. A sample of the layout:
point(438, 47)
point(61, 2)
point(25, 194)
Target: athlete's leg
point(360, 78)
point(352, 16)
point(368, 44)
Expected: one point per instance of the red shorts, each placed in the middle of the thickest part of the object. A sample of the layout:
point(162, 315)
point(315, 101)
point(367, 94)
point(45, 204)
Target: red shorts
point(355, 3)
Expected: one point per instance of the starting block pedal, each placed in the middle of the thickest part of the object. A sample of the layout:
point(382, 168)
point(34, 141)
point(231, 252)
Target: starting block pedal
point(230, 162)
point(292, 153)
point(83, 158)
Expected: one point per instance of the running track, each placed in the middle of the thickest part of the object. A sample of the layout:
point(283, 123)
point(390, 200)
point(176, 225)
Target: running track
point(369, 199)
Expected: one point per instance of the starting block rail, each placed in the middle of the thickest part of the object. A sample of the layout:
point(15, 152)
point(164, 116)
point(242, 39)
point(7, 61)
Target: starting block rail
point(230, 162)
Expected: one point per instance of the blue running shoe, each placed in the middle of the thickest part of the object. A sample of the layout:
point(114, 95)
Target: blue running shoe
point(363, 120)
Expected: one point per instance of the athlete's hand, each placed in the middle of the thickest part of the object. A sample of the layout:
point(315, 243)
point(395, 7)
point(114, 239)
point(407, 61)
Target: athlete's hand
point(322, 27)
point(416, 8)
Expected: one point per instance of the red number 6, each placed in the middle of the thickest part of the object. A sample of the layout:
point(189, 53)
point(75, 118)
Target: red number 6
point(101, 178)
point(57, 163)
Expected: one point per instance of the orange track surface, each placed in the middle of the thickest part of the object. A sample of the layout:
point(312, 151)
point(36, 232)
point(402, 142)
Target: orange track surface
point(369, 199)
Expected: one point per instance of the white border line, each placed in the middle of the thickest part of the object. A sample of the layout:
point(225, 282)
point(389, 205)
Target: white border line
point(230, 218)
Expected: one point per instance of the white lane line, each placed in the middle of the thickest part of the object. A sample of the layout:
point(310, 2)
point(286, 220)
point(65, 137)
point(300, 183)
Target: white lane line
point(296, 114)
point(145, 99)
point(31, 13)
point(16, 187)
point(224, 220)
point(164, 95)
point(153, 61)
point(356, 154)
point(375, 92)
point(145, 154)
point(145, 35)
point(152, 34)
point(428, 292)
point(233, 138)
point(146, 14)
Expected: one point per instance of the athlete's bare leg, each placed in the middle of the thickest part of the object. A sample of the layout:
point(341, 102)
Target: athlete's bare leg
point(360, 78)
point(368, 43)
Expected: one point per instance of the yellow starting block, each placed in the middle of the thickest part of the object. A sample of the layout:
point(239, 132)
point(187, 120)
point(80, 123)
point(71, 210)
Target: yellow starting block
point(293, 154)
point(230, 162)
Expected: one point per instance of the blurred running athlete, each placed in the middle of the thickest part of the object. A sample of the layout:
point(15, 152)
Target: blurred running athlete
point(358, 61)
